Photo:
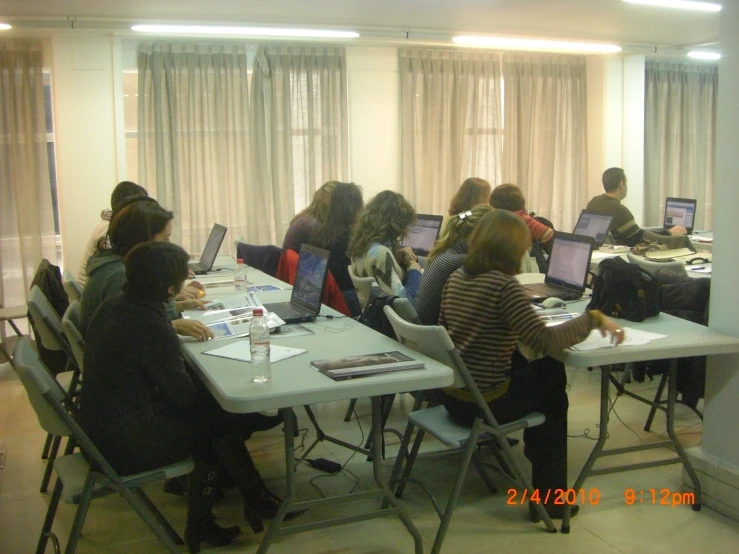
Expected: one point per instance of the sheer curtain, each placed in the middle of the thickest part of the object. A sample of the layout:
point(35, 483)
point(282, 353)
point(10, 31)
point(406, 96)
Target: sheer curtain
point(299, 124)
point(195, 152)
point(26, 212)
point(680, 137)
point(450, 112)
point(545, 134)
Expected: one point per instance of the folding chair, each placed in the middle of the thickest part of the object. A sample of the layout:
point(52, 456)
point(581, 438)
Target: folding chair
point(434, 341)
point(363, 286)
point(49, 331)
point(71, 286)
point(79, 481)
point(70, 327)
point(9, 314)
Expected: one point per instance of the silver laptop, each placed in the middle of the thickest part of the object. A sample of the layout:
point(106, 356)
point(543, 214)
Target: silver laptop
point(568, 269)
point(422, 236)
point(305, 302)
point(210, 251)
point(680, 211)
point(591, 224)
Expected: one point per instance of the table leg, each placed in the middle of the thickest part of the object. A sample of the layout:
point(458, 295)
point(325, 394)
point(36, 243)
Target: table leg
point(671, 401)
point(379, 478)
point(605, 374)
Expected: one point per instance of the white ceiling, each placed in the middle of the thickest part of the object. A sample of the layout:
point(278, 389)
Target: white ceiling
point(605, 20)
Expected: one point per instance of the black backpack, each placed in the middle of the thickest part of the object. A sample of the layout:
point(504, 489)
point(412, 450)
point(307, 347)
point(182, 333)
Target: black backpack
point(625, 290)
point(374, 316)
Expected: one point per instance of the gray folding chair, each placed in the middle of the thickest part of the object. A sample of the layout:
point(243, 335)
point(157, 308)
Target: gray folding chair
point(70, 326)
point(79, 481)
point(363, 286)
point(71, 286)
point(50, 333)
point(652, 267)
point(434, 341)
point(8, 315)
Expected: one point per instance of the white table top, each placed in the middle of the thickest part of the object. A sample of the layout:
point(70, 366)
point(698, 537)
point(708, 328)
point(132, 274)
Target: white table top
point(294, 382)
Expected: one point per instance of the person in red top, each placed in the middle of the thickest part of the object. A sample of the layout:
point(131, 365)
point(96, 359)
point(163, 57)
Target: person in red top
point(509, 197)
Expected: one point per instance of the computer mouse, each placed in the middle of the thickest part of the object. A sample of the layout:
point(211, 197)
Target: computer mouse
point(553, 302)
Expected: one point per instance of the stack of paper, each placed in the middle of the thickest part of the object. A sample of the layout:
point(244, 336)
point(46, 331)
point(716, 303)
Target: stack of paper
point(241, 351)
point(633, 337)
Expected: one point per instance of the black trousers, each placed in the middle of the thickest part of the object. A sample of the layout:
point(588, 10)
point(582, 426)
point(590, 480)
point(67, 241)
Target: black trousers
point(538, 386)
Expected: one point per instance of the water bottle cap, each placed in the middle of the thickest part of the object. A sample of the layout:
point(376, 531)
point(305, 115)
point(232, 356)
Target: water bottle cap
point(239, 261)
point(258, 312)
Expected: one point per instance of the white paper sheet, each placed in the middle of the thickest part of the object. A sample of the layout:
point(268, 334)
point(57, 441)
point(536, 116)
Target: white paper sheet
point(634, 337)
point(240, 351)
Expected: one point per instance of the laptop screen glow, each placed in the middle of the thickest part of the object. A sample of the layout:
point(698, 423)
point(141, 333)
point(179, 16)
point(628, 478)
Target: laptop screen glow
point(422, 236)
point(679, 211)
point(309, 279)
point(569, 262)
point(593, 225)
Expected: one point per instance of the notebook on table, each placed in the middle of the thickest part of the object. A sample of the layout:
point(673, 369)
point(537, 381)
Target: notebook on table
point(422, 236)
point(591, 224)
point(305, 302)
point(210, 251)
point(568, 269)
point(679, 211)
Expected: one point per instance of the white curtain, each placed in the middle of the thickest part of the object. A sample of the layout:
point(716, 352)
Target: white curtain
point(26, 213)
point(300, 124)
point(195, 152)
point(680, 137)
point(450, 113)
point(545, 134)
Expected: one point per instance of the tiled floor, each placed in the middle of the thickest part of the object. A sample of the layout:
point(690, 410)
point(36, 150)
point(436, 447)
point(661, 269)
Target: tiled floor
point(482, 523)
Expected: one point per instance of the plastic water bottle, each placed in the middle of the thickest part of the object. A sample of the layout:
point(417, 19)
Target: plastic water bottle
point(259, 347)
point(240, 276)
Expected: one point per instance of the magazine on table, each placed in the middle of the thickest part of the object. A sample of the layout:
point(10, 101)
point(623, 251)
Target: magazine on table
point(367, 364)
point(239, 326)
point(240, 305)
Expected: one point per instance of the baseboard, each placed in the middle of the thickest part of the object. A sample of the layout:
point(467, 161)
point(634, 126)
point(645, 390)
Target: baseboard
point(719, 482)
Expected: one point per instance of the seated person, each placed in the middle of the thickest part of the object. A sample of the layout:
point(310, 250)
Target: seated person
point(472, 192)
point(333, 235)
point(624, 229)
point(445, 258)
point(122, 190)
point(509, 197)
point(374, 245)
point(307, 221)
point(486, 311)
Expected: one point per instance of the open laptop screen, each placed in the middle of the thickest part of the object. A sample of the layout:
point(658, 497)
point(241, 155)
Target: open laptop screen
point(213, 245)
point(422, 236)
point(593, 225)
point(570, 260)
point(680, 211)
point(310, 277)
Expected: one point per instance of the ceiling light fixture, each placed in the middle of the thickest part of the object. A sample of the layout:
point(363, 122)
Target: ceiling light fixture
point(243, 31)
point(4, 27)
point(506, 43)
point(680, 4)
point(703, 55)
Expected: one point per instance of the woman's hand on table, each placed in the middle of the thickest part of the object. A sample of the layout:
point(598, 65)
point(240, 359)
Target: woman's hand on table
point(192, 304)
point(610, 327)
point(192, 328)
point(192, 291)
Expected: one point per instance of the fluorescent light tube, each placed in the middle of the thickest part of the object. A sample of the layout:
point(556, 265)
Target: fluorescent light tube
point(506, 43)
point(243, 31)
point(4, 27)
point(698, 55)
point(680, 4)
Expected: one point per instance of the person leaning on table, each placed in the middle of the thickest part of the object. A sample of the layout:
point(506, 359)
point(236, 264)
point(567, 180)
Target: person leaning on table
point(486, 311)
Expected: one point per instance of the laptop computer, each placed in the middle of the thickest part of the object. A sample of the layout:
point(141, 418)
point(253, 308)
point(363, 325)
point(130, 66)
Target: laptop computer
point(568, 269)
point(591, 224)
point(680, 211)
point(422, 236)
point(210, 251)
point(305, 302)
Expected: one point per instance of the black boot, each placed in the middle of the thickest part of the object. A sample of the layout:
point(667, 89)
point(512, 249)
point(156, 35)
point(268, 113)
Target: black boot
point(201, 525)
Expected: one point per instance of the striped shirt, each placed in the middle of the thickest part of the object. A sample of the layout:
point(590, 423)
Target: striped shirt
point(487, 314)
point(538, 230)
point(435, 276)
point(380, 263)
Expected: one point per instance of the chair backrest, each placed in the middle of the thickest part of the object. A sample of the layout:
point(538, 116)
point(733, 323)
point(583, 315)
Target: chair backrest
point(47, 399)
point(652, 267)
point(363, 286)
point(47, 322)
point(71, 325)
point(71, 286)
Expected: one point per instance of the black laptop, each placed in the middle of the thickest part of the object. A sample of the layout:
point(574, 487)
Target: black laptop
point(591, 224)
point(305, 302)
point(422, 236)
point(680, 211)
point(568, 269)
point(210, 251)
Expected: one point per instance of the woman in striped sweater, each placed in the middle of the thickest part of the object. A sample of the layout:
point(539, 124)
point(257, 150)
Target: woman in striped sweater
point(486, 311)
